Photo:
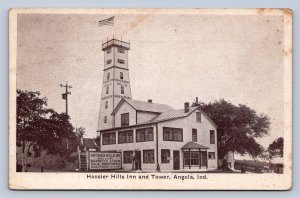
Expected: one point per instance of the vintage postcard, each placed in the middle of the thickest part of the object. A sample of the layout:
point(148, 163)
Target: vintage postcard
point(150, 99)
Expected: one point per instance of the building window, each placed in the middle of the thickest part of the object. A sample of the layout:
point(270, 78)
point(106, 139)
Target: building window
point(212, 137)
point(148, 156)
point(108, 51)
point(125, 136)
point(121, 50)
point(124, 119)
point(121, 61)
point(211, 155)
point(191, 158)
point(106, 104)
point(194, 135)
point(122, 90)
point(165, 155)
point(195, 158)
point(121, 75)
point(105, 119)
point(108, 62)
point(108, 76)
point(109, 138)
point(198, 116)
point(186, 158)
point(107, 90)
point(173, 134)
point(144, 134)
point(127, 157)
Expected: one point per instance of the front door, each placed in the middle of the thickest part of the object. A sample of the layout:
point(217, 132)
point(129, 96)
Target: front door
point(137, 160)
point(176, 160)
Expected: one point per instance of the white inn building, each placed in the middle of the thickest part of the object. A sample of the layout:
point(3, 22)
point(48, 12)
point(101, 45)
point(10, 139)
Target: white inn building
point(150, 136)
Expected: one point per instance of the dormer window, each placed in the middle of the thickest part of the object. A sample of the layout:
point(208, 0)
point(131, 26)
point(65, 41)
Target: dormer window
point(121, 61)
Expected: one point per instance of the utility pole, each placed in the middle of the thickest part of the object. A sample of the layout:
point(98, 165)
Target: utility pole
point(65, 95)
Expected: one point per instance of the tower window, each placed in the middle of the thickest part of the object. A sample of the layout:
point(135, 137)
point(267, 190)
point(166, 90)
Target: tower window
point(108, 61)
point(106, 104)
point(122, 90)
point(107, 90)
point(121, 61)
point(121, 50)
point(121, 75)
point(108, 75)
point(108, 50)
point(105, 119)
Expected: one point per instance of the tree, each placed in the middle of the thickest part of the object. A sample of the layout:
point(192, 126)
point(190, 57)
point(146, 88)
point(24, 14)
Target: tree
point(80, 132)
point(238, 127)
point(39, 128)
point(275, 149)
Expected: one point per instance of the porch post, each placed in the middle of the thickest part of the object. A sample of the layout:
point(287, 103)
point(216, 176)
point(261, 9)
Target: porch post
point(182, 159)
point(206, 160)
point(199, 159)
point(189, 158)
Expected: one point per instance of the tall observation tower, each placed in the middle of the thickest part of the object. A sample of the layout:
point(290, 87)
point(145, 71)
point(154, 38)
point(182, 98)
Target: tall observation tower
point(116, 83)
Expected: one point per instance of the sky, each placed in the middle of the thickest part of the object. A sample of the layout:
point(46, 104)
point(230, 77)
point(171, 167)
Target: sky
point(172, 60)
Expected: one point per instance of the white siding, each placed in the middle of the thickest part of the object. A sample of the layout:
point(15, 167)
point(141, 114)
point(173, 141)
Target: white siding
point(125, 108)
point(187, 124)
point(132, 147)
point(143, 117)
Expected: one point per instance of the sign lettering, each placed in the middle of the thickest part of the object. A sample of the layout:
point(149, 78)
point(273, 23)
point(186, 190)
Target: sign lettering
point(105, 160)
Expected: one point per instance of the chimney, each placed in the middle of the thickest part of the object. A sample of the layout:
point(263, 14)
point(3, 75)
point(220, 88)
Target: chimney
point(186, 107)
point(150, 100)
point(196, 100)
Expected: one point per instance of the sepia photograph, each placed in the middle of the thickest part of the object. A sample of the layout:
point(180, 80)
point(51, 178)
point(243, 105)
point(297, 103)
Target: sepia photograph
point(150, 99)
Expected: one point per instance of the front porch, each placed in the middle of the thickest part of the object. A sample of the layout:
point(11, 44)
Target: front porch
point(194, 157)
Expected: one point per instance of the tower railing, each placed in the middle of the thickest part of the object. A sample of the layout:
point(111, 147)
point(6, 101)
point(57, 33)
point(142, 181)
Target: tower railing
point(115, 42)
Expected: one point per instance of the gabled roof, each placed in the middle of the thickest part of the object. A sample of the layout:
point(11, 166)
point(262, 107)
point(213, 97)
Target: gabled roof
point(193, 145)
point(169, 115)
point(144, 106)
point(89, 143)
point(165, 116)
